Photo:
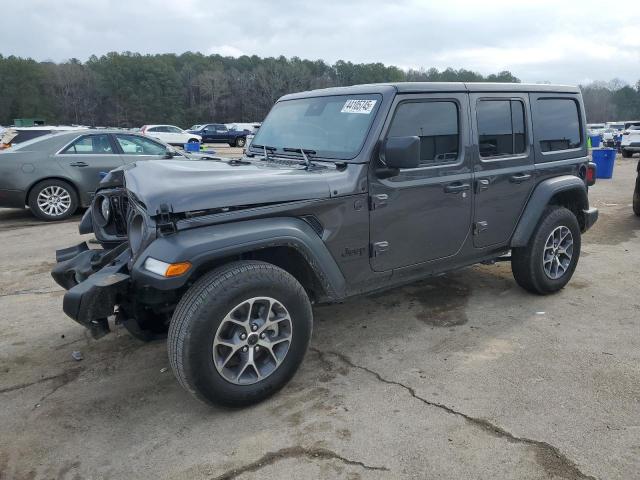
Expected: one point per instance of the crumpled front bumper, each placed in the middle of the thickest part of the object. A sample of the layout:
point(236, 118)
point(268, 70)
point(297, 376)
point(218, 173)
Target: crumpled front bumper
point(95, 280)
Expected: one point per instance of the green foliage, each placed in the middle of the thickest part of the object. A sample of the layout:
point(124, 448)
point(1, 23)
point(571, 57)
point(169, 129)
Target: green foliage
point(129, 89)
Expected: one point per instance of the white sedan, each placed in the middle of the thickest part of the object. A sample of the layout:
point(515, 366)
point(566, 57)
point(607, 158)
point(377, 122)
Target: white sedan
point(170, 134)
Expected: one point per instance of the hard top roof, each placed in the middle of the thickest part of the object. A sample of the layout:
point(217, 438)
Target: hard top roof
point(431, 87)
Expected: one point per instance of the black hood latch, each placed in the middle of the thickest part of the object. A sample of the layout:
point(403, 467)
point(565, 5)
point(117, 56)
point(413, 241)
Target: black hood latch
point(165, 224)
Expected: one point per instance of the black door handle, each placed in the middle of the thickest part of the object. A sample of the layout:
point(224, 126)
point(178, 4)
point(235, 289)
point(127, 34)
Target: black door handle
point(79, 164)
point(520, 177)
point(456, 187)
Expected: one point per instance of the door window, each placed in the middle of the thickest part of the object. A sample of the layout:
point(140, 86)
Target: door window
point(437, 126)
point(558, 124)
point(501, 128)
point(90, 145)
point(174, 130)
point(135, 145)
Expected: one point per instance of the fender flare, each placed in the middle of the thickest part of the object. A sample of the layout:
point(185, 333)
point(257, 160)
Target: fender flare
point(539, 200)
point(206, 244)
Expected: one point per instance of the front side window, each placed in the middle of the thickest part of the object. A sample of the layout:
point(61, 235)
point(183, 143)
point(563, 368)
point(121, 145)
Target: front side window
point(435, 123)
point(90, 145)
point(558, 124)
point(332, 127)
point(135, 145)
point(501, 128)
point(174, 130)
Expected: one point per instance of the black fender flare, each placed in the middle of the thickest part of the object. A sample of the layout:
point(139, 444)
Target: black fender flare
point(540, 198)
point(206, 244)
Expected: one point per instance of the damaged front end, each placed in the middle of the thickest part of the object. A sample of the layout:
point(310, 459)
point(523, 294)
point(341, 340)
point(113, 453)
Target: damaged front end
point(96, 281)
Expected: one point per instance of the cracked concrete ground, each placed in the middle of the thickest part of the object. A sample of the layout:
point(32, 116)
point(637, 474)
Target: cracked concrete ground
point(464, 376)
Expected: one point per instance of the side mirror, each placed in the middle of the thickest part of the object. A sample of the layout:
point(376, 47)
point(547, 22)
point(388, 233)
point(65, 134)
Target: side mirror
point(169, 153)
point(401, 152)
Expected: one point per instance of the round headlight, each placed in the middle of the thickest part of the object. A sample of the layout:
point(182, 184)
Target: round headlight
point(101, 210)
point(105, 209)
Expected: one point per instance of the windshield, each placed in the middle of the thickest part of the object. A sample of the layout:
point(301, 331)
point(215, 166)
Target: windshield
point(332, 127)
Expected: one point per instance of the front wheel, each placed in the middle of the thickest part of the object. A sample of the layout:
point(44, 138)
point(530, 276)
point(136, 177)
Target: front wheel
point(626, 153)
point(240, 141)
point(548, 261)
point(240, 333)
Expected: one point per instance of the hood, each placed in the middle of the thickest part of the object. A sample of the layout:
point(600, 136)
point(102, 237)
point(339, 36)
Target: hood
point(201, 185)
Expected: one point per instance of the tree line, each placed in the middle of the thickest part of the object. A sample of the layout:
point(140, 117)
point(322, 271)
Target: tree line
point(129, 89)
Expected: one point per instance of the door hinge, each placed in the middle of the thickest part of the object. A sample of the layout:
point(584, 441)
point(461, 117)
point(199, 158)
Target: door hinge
point(482, 185)
point(378, 201)
point(378, 248)
point(480, 227)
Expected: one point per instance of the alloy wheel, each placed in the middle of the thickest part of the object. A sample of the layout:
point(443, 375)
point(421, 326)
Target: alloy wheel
point(54, 201)
point(558, 252)
point(252, 340)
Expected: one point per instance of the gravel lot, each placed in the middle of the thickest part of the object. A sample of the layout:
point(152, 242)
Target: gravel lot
point(463, 376)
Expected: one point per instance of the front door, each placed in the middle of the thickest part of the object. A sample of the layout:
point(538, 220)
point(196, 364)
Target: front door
point(87, 159)
point(423, 214)
point(504, 168)
point(135, 147)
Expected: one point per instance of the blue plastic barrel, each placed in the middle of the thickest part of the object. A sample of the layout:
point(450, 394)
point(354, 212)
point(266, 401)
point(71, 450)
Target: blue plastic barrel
point(192, 147)
point(595, 141)
point(605, 159)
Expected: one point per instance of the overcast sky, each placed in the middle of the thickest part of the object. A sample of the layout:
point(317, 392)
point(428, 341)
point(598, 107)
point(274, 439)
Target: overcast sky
point(559, 41)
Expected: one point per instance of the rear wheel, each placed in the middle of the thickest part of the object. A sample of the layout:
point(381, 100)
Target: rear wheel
point(240, 141)
point(193, 140)
point(626, 153)
point(547, 263)
point(240, 333)
point(52, 200)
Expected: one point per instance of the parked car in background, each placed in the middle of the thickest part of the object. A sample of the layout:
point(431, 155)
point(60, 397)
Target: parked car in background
point(611, 137)
point(57, 173)
point(619, 126)
point(250, 127)
point(170, 134)
point(220, 133)
point(631, 123)
point(595, 128)
point(16, 135)
point(630, 143)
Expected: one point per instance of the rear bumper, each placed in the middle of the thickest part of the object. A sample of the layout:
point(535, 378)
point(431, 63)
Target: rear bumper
point(12, 198)
point(95, 281)
point(590, 217)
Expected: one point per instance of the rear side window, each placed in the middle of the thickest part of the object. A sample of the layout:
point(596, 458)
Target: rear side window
point(558, 126)
point(437, 126)
point(90, 145)
point(501, 127)
point(135, 145)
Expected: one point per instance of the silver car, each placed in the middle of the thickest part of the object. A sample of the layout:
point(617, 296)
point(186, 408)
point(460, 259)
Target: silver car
point(55, 174)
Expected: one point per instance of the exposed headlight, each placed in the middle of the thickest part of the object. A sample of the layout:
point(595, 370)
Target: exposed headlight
point(102, 210)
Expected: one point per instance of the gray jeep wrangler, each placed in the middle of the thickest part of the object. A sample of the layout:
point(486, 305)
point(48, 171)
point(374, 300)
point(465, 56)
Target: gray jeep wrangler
point(343, 191)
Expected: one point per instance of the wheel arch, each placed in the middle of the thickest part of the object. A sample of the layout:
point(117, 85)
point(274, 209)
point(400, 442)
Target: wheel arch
point(289, 243)
point(567, 191)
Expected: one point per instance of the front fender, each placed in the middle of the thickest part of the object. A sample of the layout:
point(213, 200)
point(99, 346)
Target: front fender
point(206, 244)
point(539, 200)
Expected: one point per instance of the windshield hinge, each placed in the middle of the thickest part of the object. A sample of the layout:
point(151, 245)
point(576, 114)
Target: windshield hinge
point(165, 223)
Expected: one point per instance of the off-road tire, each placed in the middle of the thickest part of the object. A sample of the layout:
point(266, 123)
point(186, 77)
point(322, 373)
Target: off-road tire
point(636, 196)
point(240, 141)
point(42, 186)
point(626, 154)
point(201, 311)
point(526, 262)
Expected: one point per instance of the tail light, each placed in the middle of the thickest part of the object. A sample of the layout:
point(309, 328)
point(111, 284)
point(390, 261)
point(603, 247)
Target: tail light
point(591, 174)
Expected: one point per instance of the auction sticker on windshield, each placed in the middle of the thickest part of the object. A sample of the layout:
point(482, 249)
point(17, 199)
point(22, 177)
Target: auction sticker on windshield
point(358, 106)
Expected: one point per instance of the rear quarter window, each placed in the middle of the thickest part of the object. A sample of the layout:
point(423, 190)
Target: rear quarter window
point(558, 124)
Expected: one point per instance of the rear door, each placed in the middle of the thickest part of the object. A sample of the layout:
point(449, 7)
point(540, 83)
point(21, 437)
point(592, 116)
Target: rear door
point(423, 214)
point(88, 158)
point(504, 167)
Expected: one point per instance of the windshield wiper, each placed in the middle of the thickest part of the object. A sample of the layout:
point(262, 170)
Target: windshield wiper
point(265, 149)
point(304, 153)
